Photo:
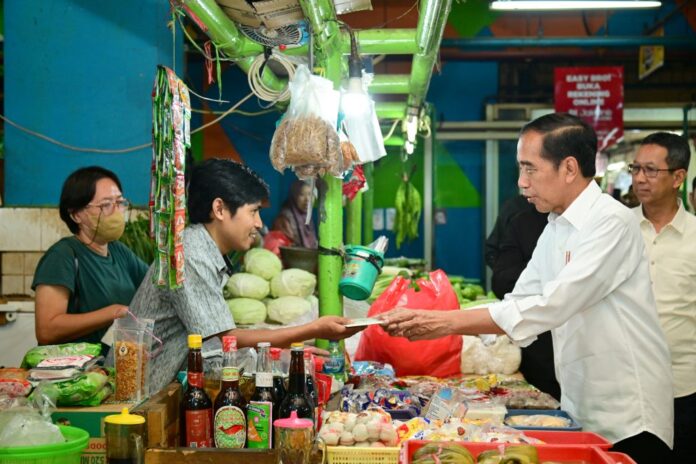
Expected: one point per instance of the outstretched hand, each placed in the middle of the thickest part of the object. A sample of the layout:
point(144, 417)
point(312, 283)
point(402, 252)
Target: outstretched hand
point(418, 324)
point(334, 328)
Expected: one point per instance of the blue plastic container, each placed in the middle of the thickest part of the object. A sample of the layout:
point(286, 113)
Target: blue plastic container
point(360, 272)
point(573, 427)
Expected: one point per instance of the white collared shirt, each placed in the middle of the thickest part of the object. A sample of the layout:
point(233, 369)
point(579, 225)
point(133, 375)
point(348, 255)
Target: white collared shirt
point(588, 282)
point(672, 256)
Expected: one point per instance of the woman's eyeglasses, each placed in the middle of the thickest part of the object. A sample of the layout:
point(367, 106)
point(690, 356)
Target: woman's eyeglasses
point(109, 206)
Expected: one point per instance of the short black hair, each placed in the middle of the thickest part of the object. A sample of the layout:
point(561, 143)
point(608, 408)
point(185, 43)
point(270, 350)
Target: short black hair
point(79, 189)
point(235, 184)
point(678, 152)
point(566, 135)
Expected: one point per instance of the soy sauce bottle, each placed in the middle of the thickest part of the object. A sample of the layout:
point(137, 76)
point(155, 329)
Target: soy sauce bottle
point(198, 409)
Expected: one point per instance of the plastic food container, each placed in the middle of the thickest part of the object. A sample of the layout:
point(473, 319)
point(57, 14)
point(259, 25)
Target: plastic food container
point(61, 453)
point(574, 426)
point(566, 453)
point(556, 437)
point(360, 455)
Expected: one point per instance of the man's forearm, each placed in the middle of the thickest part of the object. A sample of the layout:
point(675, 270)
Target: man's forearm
point(281, 338)
point(474, 322)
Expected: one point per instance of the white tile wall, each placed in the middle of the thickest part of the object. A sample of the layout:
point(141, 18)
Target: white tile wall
point(31, 259)
point(13, 285)
point(20, 229)
point(52, 228)
point(12, 263)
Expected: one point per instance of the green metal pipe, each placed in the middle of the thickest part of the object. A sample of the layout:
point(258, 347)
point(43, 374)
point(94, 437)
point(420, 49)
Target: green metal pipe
point(389, 84)
point(328, 56)
point(431, 27)
point(368, 204)
point(221, 29)
point(354, 220)
point(394, 141)
point(390, 110)
point(372, 42)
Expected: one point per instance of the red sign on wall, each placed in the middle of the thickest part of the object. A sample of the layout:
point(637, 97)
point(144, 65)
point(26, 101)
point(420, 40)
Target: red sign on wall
point(594, 94)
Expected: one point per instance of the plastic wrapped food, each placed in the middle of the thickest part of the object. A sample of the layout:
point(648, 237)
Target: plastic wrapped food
point(35, 355)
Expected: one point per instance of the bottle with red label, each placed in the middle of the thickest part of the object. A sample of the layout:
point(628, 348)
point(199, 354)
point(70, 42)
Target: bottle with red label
point(230, 429)
point(198, 409)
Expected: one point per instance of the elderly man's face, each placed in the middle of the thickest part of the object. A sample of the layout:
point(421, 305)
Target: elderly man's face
point(540, 181)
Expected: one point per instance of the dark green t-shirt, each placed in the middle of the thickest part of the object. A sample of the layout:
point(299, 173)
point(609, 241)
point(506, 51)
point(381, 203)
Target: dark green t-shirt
point(101, 280)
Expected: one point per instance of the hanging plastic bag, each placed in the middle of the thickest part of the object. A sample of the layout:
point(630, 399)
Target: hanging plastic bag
point(306, 138)
point(362, 126)
point(440, 357)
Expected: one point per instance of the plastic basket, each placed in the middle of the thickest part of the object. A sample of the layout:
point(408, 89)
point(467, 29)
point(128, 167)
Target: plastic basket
point(60, 453)
point(566, 453)
point(555, 437)
point(361, 455)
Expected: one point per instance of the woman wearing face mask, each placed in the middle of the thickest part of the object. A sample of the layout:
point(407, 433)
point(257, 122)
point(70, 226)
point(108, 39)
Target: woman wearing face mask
point(84, 282)
point(291, 218)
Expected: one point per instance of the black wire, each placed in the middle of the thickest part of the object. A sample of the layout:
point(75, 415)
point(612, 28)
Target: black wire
point(415, 4)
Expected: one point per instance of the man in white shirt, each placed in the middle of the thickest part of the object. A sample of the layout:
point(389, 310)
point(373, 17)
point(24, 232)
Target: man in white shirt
point(587, 282)
point(692, 195)
point(669, 232)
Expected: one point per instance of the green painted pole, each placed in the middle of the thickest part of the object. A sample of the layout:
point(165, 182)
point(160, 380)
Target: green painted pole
point(354, 220)
point(390, 110)
point(389, 84)
point(431, 27)
point(329, 59)
point(368, 204)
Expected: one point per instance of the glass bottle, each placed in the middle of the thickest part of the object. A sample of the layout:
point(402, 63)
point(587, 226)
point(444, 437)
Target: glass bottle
point(297, 398)
point(262, 408)
point(310, 379)
point(198, 409)
point(278, 376)
point(230, 428)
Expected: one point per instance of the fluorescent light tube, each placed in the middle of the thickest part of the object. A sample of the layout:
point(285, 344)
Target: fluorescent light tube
point(555, 5)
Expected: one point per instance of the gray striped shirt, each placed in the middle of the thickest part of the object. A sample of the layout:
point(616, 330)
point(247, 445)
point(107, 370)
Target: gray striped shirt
point(196, 307)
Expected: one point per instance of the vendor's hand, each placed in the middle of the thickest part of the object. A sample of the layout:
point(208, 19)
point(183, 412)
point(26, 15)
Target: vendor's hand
point(119, 311)
point(417, 324)
point(334, 328)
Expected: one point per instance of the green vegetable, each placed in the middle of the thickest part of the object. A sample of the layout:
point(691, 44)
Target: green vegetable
point(293, 282)
point(136, 236)
point(88, 389)
point(244, 285)
point(263, 263)
point(287, 309)
point(247, 311)
point(408, 206)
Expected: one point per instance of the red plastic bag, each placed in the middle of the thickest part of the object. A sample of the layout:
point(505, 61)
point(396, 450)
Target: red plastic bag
point(275, 239)
point(439, 358)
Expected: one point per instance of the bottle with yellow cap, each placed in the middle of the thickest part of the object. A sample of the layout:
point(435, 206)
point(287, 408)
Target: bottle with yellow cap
point(125, 438)
point(197, 407)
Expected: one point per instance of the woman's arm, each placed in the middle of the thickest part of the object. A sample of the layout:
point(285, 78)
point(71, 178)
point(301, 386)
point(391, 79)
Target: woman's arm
point(54, 325)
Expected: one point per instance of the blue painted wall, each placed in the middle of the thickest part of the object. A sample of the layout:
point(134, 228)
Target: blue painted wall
point(81, 72)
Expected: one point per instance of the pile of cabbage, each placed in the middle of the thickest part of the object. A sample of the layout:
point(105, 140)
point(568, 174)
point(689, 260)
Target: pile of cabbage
point(265, 291)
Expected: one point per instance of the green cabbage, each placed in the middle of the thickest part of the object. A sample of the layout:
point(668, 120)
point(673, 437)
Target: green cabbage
point(287, 309)
point(293, 282)
point(247, 311)
point(243, 285)
point(263, 263)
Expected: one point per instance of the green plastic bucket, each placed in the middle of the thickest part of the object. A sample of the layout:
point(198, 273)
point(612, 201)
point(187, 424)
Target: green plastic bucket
point(360, 272)
point(60, 453)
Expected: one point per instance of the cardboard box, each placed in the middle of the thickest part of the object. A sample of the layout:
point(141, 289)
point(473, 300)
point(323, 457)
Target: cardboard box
point(211, 456)
point(161, 412)
point(270, 13)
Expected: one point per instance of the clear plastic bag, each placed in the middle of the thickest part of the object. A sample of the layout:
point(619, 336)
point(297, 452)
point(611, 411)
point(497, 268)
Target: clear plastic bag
point(306, 139)
point(28, 423)
point(133, 340)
